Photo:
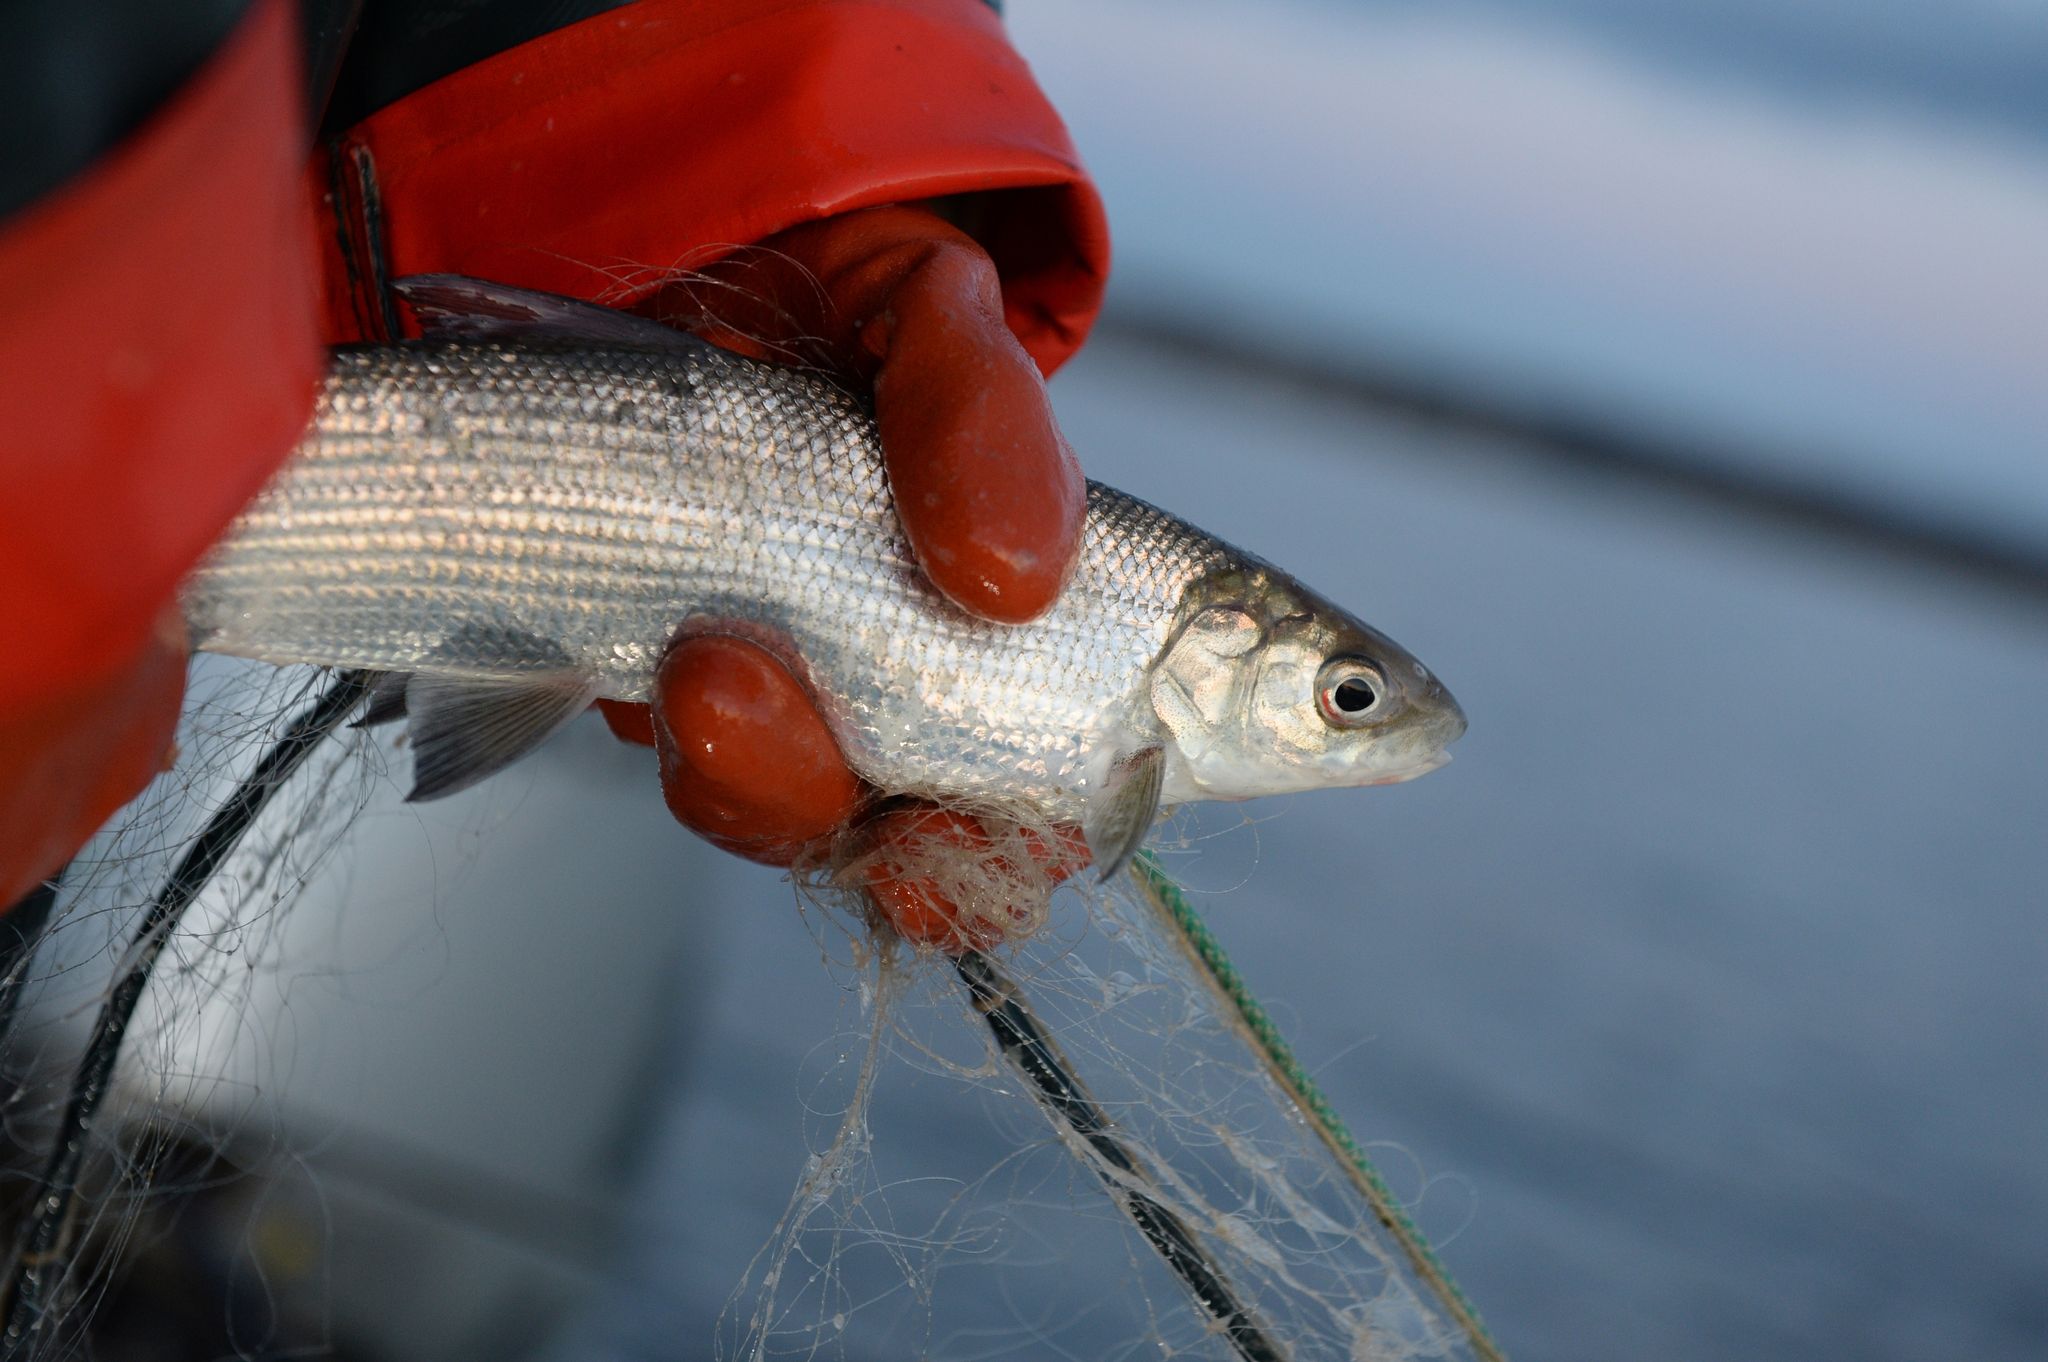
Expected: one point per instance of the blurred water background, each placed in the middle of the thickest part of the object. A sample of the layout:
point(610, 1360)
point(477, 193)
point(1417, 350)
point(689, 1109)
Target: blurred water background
point(1672, 379)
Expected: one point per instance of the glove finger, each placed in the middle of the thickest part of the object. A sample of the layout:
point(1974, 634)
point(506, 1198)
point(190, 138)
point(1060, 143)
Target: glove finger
point(628, 722)
point(990, 495)
point(747, 761)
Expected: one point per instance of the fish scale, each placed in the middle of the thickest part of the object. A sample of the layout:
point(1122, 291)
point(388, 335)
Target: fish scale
point(490, 510)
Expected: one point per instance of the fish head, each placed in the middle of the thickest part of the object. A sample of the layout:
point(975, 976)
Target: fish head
point(1266, 687)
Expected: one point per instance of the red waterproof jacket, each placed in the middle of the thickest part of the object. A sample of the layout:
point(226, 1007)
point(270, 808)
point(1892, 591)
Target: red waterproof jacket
point(162, 315)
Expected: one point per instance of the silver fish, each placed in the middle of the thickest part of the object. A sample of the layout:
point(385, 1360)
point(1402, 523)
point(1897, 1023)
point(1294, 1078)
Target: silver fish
point(521, 513)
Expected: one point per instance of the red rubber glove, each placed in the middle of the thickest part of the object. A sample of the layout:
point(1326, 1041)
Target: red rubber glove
point(990, 496)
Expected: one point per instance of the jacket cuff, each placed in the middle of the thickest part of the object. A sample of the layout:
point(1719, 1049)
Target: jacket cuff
point(660, 136)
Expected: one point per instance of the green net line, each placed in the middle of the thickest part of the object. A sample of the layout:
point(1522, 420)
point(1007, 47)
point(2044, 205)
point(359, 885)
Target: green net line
point(1208, 953)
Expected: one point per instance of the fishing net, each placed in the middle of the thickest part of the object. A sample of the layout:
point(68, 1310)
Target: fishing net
point(1170, 1153)
point(115, 1105)
point(1173, 1185)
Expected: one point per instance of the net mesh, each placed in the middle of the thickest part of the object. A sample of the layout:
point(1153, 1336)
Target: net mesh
point(1246, 1220)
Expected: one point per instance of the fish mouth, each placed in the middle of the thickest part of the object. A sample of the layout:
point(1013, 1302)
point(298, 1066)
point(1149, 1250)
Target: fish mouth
point(1421, 768)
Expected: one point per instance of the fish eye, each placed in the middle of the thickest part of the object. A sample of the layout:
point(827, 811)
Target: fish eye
point(1349, 690)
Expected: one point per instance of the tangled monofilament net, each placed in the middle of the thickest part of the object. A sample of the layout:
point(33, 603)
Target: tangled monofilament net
point(125, 1128)
point(975, 873)
point(1211, 1122)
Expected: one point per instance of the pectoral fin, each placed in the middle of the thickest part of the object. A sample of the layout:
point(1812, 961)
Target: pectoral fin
point(463, 730)
point(387, 700)
point(1121, 814)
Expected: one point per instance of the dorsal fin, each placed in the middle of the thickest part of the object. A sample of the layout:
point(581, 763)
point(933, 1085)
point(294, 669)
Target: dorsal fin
point(456, 307)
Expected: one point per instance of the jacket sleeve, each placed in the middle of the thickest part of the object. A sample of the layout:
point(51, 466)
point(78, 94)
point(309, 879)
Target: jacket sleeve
point(159, 347)
point(593, 160)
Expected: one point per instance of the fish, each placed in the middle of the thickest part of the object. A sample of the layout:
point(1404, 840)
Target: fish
point(519, 513)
